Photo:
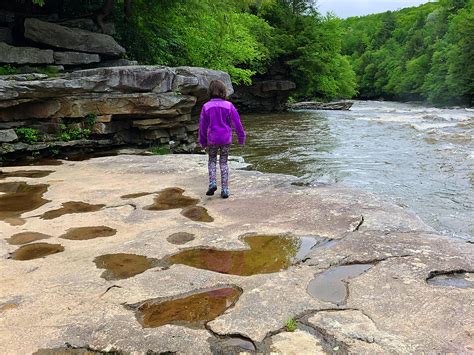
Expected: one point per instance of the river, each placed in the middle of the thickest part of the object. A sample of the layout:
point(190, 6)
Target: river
point(418, 157)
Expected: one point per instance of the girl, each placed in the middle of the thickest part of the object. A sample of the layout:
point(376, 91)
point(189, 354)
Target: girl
point(218, 117)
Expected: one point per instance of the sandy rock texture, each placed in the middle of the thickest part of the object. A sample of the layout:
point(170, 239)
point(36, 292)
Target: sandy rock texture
point(416, 294)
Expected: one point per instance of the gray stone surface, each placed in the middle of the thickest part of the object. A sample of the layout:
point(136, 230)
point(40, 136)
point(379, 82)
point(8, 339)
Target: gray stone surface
point(195, 81)
point(7, 136)
point(24, 55)
point(68, 38)
point(75, 58)
point(6, 35)
point(390, 308)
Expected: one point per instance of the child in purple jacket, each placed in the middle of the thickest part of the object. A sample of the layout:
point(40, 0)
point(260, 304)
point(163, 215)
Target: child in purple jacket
point(218, 117)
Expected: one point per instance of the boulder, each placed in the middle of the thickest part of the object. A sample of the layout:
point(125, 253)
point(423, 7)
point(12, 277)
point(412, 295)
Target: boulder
point(89, 25)
point(25, 55)
point(100, 80)
point(75, 58)
point(6, 35)
point(8, 136)
point(68, 38)
point(195, 81)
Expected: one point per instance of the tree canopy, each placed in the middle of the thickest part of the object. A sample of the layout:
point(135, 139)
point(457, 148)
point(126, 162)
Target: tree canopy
point(422, 53)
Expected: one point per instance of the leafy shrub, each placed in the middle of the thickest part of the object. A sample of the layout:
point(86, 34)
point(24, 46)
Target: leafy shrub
point(160, 150)
point(28, 135)
point(8, 70)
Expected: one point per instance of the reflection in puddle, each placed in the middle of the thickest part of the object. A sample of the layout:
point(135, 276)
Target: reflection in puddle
point(234, 345)
point(26, 237)
point(171, 198)
point(460, 279)
point(197, 213)
point(267, 254)
point(36, 250)
point(72, 207)
point(34, 174)
point(331, 285)
point(180, 238)
point(122, 266)
point(193, 310)
point(86, 233)
point(18, 198)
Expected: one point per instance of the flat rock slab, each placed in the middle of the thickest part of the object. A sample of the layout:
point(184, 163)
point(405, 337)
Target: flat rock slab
point(389, 308)
point(75, 58)
point(68, 38)
point(25, 55)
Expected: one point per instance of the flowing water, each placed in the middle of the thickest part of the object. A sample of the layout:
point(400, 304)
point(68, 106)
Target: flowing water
point(418, 157)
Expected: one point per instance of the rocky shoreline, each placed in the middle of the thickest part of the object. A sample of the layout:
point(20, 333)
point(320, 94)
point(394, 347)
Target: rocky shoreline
point(355, 274)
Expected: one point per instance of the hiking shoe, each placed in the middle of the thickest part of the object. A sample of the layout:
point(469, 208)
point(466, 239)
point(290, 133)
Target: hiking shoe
point(212, 189)
point(225, 193)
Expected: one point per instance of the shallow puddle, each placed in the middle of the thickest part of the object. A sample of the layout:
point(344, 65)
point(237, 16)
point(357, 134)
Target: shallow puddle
point(197, 213)
point(72, 207)
point(36, 250)
point(18, 198)
point(122, 266)
point(136, 195)
point(267, 254)
point(194, 310)
point(331, 285)
point(171, 198)
point(7, 306)
point(73, 351)
point(26, 237)
point(33, 174)
point(180, 238)
point(459, 279)
point(86, 233)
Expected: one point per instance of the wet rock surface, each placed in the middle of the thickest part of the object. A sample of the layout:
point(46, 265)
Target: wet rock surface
point(412, 299)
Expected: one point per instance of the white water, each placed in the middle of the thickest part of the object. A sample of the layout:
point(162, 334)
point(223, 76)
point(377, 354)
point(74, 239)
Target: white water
point(419, 157)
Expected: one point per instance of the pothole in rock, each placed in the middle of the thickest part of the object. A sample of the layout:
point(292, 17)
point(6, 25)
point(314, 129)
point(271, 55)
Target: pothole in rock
point(26, 237)
point(193, 310)
point(231, 345)
point(180, 238)
point(72, 207)
point(136, 195)
point(86, 233)
point(171, 198)
point(36, 251)
point(197, 213)
point(74, 351)
point(122, 266)
point(267, 254)
point(33, 174)
point(331, 285)
point(7, 306)
point(460, 279)
point(19, 198)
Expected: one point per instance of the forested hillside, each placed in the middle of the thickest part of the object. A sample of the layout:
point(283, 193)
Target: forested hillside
point(243, 37)
point(423, 53)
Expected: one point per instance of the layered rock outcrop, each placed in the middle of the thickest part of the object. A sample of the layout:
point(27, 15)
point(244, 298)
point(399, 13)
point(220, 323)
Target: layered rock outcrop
point(264, 96)
point(133, 105)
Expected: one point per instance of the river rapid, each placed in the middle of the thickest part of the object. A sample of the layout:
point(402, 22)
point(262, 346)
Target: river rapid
point(418, 157)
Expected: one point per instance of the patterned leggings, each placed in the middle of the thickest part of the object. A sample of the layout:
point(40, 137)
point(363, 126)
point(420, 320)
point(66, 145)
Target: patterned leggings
point(223, 151)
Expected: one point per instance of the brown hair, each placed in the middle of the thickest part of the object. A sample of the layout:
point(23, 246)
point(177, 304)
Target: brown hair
point(217, 90)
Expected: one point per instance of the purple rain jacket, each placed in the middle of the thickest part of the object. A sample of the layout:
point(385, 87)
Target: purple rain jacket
point(218, 117)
